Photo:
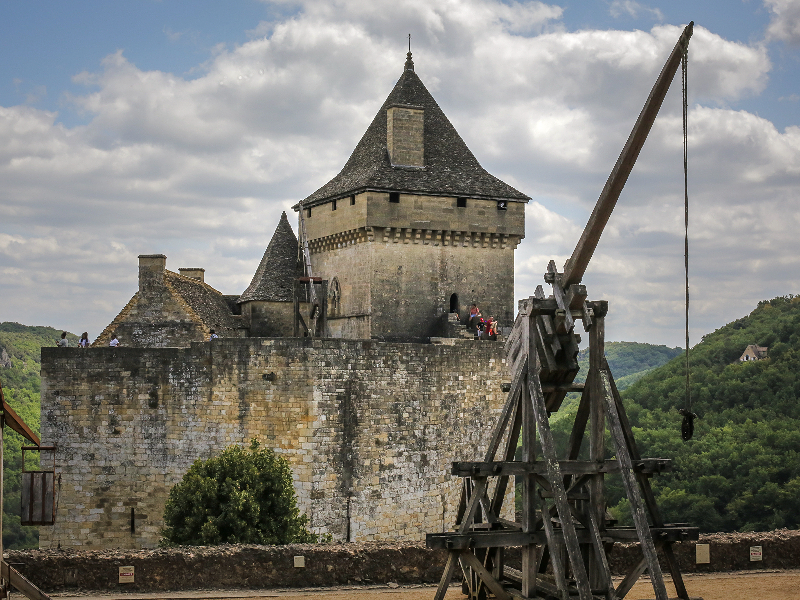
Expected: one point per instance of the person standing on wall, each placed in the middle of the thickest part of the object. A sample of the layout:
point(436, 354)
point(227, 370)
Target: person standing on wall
point(474, 315)
point(63, 342)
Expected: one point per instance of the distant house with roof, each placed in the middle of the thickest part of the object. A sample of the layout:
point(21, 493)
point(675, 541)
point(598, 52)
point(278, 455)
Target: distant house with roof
point(753, 352)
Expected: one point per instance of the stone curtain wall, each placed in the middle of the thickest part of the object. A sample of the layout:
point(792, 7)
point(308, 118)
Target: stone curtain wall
point(369, 428)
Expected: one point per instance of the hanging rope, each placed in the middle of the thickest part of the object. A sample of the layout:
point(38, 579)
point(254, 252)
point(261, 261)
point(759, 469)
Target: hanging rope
point(687, 426)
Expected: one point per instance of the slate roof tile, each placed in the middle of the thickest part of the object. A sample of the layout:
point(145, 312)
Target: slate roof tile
point(450, 167)
point(207, 303)
point(278, 269)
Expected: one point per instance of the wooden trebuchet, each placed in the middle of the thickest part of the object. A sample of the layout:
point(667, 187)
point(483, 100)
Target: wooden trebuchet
point(563, 528)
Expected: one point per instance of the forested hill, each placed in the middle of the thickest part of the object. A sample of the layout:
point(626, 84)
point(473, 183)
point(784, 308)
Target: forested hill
point(741, 471)
point(629, 361)
point(20, 362)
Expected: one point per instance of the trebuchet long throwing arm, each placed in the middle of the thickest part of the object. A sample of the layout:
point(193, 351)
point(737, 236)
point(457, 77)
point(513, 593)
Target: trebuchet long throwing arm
point(575, 267)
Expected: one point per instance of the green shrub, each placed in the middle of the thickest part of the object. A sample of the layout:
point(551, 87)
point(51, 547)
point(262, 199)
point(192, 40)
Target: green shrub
point(242, 496)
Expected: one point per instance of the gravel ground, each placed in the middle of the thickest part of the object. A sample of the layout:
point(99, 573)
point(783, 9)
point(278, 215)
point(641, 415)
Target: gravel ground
point(772, 585)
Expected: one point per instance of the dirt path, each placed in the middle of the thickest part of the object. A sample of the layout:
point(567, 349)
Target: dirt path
point(776, 585)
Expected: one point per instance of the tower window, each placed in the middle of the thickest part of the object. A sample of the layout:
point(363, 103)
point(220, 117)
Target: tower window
point(352, 200)
point(502, 205)
point(308, 213)
point(394, 197)
point(333, 205)
point(461, 202)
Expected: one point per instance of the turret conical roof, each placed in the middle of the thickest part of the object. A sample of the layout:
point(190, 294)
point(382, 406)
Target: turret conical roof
point(275, 276)
point(450, 168)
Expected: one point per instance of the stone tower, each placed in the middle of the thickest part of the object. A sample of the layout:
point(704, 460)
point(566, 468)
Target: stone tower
point(267, 303)
point(413, 228)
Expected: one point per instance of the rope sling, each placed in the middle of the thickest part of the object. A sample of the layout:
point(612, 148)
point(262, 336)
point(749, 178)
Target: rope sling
point(687, 426)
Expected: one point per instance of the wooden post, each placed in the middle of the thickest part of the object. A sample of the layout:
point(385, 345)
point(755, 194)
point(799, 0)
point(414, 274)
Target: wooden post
point(529, 563)
point(597, 419)
point(2, 441)
point(632, 488)
point(296, 311)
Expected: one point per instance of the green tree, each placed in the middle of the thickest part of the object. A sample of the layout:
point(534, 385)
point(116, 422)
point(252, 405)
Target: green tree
point(242, 496)
point(20, 363)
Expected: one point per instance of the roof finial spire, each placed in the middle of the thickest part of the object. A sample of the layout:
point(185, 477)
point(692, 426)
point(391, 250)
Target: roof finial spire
point(409, 63)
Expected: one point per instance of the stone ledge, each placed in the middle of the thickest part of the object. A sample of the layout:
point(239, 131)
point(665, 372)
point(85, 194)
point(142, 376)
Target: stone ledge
point(248, 566)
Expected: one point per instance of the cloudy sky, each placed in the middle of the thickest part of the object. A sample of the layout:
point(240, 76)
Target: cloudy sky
point(185, 128)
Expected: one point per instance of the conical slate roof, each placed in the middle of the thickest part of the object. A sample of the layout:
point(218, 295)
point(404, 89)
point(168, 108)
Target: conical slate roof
point(450, 168)
point(274, 278)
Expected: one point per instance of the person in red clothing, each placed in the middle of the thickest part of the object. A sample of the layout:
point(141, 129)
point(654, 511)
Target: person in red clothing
point(491, 329)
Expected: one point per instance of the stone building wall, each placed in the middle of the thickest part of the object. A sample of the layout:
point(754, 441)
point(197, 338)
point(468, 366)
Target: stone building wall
point(398, 263)
point(369, 428)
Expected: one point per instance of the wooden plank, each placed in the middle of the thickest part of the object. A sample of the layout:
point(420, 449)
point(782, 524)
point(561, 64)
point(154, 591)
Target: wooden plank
point(466, 521)
point(560, 296)
point(510, 451)
point(547, 330)
point(555, 559)
point(556, 480)
point(473, 563)
point(579, 425)
point(631, 578)
point(486, 538)
point(529, 558)
point(649, 497)
point(597, 431)
point(17, 580)
point(604, 576)
point(587, 314)
point(568, 467)
point(576, 265)
point(15, 422)
point(447, 575)
point(472, 506)
point(562, 387)
point(543, 349)
point(575, 296)
point(632, 489)
point(511, 408)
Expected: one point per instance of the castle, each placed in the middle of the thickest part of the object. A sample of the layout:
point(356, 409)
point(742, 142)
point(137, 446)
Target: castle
point(370, 413)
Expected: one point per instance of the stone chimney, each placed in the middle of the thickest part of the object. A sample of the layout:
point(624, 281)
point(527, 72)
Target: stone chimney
point(404, 135)
point(193, 273)
point(151, 274)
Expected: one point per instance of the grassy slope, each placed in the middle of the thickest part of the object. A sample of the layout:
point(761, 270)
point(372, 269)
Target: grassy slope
point(629, 362)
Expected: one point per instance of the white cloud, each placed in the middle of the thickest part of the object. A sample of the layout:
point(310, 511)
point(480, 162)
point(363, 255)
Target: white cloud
point(784, 22)
point(631, 8)
point(199, 167)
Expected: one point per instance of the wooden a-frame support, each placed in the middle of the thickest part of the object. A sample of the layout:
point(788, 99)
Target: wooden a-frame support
point(563, 523)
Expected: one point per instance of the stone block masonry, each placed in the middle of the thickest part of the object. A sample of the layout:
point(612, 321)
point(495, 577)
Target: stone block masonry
point(369, 428)
point(259, 567)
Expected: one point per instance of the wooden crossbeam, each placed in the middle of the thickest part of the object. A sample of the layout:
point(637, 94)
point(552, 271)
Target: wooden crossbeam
point(647, 466)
